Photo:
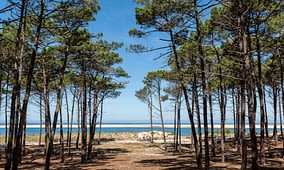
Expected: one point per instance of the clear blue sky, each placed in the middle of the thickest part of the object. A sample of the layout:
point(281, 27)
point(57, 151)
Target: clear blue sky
point(114, 20)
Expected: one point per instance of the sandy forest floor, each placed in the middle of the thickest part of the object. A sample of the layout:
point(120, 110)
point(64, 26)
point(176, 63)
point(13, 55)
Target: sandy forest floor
point(124, 151)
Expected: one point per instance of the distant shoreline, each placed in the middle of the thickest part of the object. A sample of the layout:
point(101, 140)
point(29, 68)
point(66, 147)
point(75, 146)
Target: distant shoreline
point(145, 125)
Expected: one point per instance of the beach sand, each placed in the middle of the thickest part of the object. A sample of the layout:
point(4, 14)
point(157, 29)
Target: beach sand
point(125, 151)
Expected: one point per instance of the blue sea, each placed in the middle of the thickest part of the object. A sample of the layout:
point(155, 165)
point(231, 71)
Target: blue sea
point(118, 128)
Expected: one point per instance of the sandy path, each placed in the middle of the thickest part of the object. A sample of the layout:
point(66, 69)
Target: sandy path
point(134, 155)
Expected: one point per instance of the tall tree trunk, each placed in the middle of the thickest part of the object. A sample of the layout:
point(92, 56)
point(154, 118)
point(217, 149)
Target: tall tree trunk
point(84, 121)
point(23, 112)
point(1, 88)
point(10, 150)
point(234, 113)
point(280, 115)
point(78, 119)
point(243, 47)
point(6, 111)
point(266, 117)
point(47, 114)
point(238, 117)
point(186, 97)
point(221, 91)
point(179, 122)
point(175, 124)
point(101, 122)
point(93, 124)
point(151, 118)
point(40, 118)
point(261, 97)
point(203, 80)
point(282, 92)
point(195, 97)
point(68, 117)
point(274, 91)
point(243, 127)
point(161, 113)
point(61, 136)
point(71, 126)
point(212, 122)
point(251, 92)
point(57, 107)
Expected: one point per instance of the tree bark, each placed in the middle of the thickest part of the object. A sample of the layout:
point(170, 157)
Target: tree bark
point(203, 80)
point(261, 97)
point(188, 108)
point(196, 100)
point(93, 124)
point(84, 121)
point(275, 93)
point(161, 112)
point(101, 121)
point(68, 117)
point(57, 107)
point(78, 119)
point(61, 136)
point(11, 151)
point(71, 126)
point(212, 123)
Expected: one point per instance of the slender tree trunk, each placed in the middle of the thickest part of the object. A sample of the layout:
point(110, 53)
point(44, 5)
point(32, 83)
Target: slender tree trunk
point(57, 107)
point(84, 122)
point(261, 98)
point(274, 91)
point(161, 113)
point(188, 108)
point(234, 113)
point(243, 128)
point(282, 93)
point(251, 94)
point(61, 136)
point(222, 104)
point(40, 118)
point(24, 139)
point(71, 126)
point(93, 124)
point(23, 112)
point(280, 115)
point(68, 116)
point(266, 117)
point(1, 88)
point(101, 122)
point(78, 120)
point(179, 122)
point(238, 117)
point(203, 80)
point(175, 125)
point(195, 97)
point(10, 150)
point(151, 118)
point(47, 115)
point(6, 111)
point(212, 124)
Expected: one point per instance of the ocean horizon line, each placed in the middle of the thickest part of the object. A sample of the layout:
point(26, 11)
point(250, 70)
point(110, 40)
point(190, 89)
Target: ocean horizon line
point(143, 125)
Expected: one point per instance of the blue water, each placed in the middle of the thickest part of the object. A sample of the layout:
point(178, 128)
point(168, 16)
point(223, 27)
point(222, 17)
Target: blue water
point(184, 131)
point(36, 131)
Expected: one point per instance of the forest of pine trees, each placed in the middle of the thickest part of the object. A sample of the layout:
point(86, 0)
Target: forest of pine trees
point(231, 51)
point(224, 54)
